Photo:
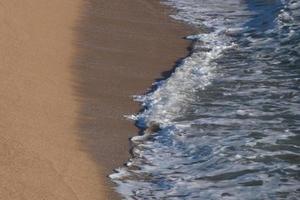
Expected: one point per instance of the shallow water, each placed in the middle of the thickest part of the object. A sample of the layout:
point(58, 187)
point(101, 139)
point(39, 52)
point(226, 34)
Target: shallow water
point(229, 115)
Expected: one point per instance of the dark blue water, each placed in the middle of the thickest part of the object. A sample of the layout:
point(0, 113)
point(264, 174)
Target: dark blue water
point(226, 124)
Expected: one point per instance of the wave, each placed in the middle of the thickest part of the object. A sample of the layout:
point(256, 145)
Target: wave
point(225, 124)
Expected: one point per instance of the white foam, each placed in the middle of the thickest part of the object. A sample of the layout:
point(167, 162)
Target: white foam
point(166, 165)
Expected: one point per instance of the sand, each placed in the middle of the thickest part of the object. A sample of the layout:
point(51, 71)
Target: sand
point(67, 73)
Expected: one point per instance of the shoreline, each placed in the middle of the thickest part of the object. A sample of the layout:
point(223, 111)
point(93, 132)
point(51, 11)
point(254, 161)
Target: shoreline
point(126, 50)
point(68, 71)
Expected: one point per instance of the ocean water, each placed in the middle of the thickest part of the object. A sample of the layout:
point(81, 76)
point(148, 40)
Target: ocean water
point(226, 123)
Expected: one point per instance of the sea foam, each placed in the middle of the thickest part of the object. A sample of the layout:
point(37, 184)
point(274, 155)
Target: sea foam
point(228, 117)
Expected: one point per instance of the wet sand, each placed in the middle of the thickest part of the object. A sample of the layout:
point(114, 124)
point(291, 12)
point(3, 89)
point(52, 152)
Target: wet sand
point(68, 70)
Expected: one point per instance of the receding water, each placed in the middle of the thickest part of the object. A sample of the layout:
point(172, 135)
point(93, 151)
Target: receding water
point(229, 116)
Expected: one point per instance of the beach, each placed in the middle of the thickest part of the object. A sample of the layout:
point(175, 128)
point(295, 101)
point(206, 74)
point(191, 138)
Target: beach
point(225, 124)
point(68, 73)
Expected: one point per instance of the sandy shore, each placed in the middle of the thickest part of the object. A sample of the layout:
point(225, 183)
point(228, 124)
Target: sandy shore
point(68, 69)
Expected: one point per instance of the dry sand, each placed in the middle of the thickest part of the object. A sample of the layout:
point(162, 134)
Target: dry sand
point(67, 71)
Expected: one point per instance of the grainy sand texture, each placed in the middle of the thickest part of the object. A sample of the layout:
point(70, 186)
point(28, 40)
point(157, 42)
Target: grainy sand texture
point(68, 69)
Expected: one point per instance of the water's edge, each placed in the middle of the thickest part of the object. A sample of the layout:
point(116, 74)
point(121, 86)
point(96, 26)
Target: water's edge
point(224, 123)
